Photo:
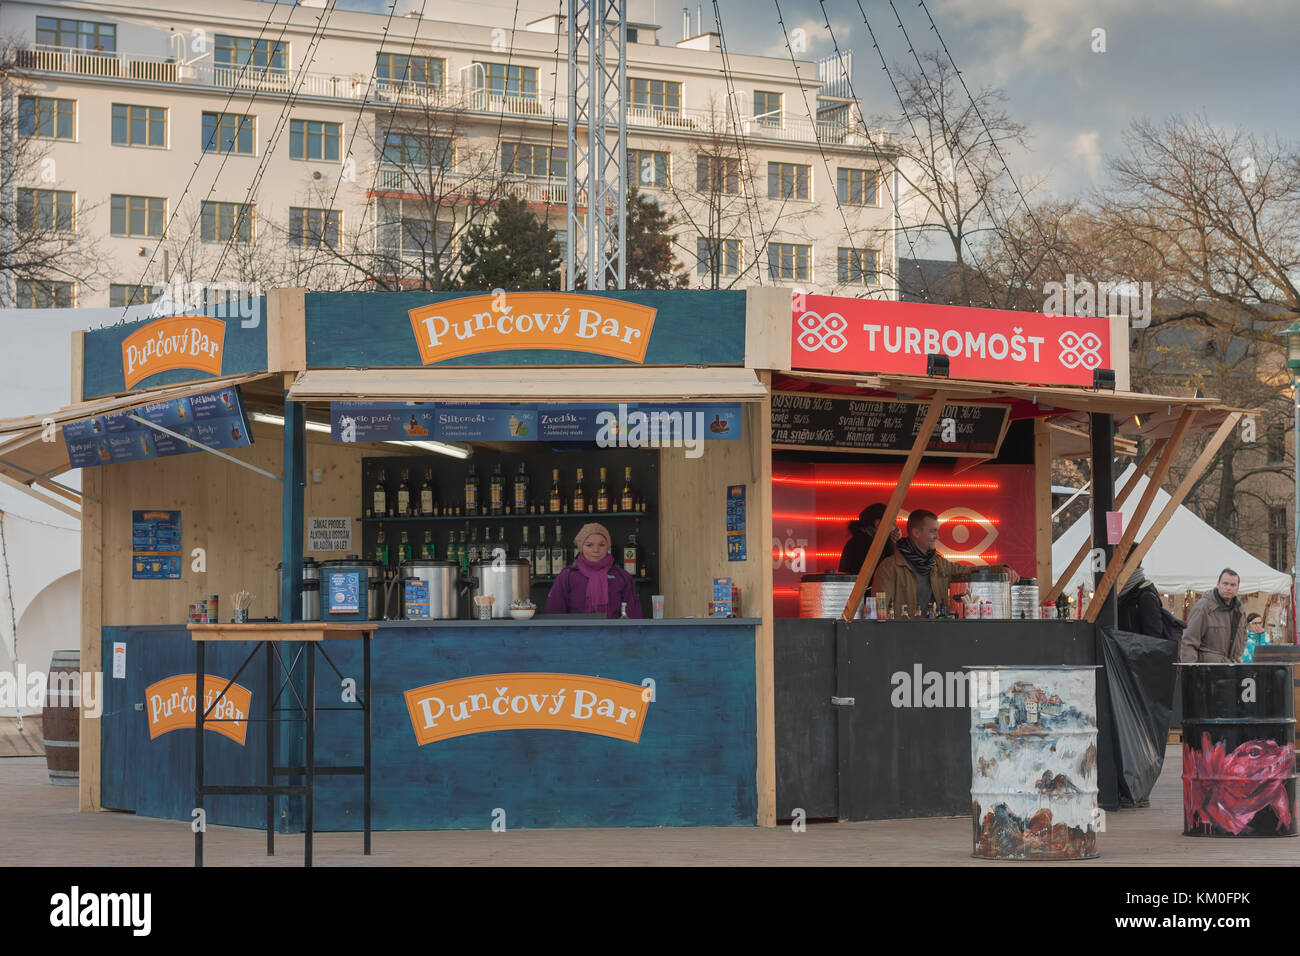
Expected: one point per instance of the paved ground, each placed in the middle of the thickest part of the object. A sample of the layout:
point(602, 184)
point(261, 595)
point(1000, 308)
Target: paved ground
point(40, 825)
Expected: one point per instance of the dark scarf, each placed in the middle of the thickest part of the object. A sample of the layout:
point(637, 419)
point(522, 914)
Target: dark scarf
point(922, 562)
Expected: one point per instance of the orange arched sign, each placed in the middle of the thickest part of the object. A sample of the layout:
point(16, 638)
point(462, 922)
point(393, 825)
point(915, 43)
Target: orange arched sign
point(178, 341)
point(169, 705)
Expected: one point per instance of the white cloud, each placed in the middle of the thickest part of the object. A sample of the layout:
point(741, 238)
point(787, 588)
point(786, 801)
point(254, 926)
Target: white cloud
point(1087, 147)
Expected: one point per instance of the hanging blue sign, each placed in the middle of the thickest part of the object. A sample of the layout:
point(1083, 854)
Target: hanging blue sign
point(216, 419)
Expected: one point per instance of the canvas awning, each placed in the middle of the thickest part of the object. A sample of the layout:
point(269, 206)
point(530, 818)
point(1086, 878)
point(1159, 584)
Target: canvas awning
point(586, 384)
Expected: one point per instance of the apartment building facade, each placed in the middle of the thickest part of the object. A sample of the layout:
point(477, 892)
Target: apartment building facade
point(186, 141)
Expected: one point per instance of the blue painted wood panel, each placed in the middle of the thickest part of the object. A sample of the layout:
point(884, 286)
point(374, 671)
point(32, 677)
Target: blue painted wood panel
point(695, 764)
point(244, 350)
point(373, 329)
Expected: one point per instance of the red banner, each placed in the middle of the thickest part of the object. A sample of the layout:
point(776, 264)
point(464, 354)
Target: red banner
point(868, 335)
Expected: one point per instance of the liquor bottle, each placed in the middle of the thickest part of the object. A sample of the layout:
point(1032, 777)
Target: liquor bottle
point(404, 548)
point(523, 489)
point(602, 494)
point(496, 491)
point(557, 552)
point(906, 616)
point(622, 609)
point(381, 549)
point(541, 556)
point(471, 490)
point(426, 493)
point(631, 559)
point(554, 503)
point(579, 494)
point(501, 544)
point(451, 546)
point(462, 555)
point(426, 549)
point(474, 553)
point(380, 496)
point(627, 501)
point(526, 550)
point(404, 495)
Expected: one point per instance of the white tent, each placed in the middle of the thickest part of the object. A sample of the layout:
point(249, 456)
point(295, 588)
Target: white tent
point(1187, 556)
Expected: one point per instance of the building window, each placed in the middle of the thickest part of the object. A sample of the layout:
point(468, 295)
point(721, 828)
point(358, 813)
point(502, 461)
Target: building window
point(139, 125)
point(767, 108)
point(46, 295)
point(503, 79)
point(224, 221)
point(313, 227)
point(787, 260)
point(1279, 556)
point(407, 231)
point(313, 139)
point(46, 118)
point(142, 216)
point(46, 210)
point(265, 56)
point(398, 69)
point(656, 96)
point(648, 168)
point(857, 266)
point(788, 180)
point(412, 150)
point(717, 174)
point(79, 34)
point(533, 159)
point(856, 187)
point(229, 133)
point(121, 295)
point(717, 255)
point(1275, 446)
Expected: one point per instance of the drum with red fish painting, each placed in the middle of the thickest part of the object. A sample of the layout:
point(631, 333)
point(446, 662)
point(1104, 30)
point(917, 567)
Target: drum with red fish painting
point(1238, 750)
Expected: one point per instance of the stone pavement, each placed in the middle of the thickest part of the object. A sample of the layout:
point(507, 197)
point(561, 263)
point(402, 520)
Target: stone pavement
point(40, 826)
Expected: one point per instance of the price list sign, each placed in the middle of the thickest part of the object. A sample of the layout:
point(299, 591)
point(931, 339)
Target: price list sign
point(156, 545)
point(807, 420)
point(736, 523)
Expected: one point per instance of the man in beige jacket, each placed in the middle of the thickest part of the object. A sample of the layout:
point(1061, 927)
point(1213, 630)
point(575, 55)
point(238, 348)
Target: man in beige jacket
point(1216, 628)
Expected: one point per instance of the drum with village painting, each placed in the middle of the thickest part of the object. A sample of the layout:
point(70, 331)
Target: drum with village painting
point(1238, 750)
point(1034, 762)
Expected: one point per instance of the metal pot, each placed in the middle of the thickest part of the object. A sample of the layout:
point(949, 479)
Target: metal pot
point(507, 581)
point(825, 594)
point(967, 591)
point(444, 581)
point(311, 600)
point(310, 572)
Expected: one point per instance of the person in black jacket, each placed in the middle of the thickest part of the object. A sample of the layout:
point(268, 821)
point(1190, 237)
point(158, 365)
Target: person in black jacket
point(1140, 607)
point(861, 533)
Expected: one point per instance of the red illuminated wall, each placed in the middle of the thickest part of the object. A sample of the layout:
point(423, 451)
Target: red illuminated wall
point(986, 515)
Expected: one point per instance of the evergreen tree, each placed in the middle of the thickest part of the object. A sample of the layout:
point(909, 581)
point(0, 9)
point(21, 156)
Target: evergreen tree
point(515, 251)
point(650, 262)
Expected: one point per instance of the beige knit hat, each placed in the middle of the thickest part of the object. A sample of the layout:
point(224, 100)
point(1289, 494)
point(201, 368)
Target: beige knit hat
point(592, 528)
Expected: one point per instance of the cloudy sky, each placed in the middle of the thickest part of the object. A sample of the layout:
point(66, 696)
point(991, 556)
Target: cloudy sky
point(1234, 60)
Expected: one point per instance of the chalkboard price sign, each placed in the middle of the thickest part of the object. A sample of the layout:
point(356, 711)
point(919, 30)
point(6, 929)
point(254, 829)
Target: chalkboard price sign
point(807, 420)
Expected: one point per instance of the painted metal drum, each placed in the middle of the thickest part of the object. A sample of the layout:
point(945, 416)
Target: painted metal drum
point(825, 594)
point(1238, 750)
point(1034, 762)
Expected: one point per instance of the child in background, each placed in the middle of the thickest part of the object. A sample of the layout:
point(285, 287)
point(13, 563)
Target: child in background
point(1255, 635)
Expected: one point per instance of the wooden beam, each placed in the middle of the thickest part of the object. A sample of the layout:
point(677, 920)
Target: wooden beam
point(1042, 500)
point(1180, 494)
point(92, 620)
point(765, 649)
point(31, 492)
point(1152, 453)
point(78, 366)
point(966, 464)
point(923, 436)
point(1140, 514)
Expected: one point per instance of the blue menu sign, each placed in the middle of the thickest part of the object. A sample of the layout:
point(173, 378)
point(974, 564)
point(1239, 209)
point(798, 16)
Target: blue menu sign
point(156, 545)
point(343, 595)
point(216, 419)
point(736, 523)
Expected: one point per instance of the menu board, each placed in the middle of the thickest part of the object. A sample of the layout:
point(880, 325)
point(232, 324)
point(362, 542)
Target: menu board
point(840, 423)
point(736, 523)
point(215, 419)
point(155, 545)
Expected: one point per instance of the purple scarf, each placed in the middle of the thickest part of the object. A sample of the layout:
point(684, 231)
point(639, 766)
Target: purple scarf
point(597, 581)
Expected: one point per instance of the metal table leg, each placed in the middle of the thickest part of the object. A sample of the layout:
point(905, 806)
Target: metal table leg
point(310, 705)
point(365, 719)
point(198, 821)
point(271, 726)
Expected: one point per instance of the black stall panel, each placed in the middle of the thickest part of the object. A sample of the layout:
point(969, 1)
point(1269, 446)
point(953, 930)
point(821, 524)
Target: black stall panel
point(806, 737)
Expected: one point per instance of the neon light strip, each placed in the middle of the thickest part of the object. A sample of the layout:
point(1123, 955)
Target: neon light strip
point(950, 555)
point(846, 483)
point(809, 516)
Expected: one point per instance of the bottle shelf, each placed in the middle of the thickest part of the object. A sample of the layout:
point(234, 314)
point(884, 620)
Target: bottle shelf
point(541, 517)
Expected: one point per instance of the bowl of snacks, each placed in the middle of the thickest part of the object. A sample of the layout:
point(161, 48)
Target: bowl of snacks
point(522, 610)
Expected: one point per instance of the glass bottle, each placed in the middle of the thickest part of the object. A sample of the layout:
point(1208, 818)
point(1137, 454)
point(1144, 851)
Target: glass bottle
point(462, 555)
point(380, 496)
point(404, 548)
point(526, 550)
point(426, 549)
point(602, 494)
point(426, 493)
point(627, 501)
point(471, 490)
point(554, 503)
point(631, 557)
point(523, 485)
point(622, 609)
point(496, 491)
point(451, 546)
point(557, 552)
point(381, 549)
point(579, 494)
point(404, 495)
point(541, 556)
point(474, 553)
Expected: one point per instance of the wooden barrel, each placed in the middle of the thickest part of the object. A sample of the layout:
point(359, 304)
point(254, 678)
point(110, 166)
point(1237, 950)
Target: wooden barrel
point(62, 717)
point(1284, 654)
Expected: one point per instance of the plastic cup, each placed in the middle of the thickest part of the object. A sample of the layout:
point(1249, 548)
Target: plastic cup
point(657, 606)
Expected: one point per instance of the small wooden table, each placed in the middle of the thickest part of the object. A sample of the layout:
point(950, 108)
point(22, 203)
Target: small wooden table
point(270, 635)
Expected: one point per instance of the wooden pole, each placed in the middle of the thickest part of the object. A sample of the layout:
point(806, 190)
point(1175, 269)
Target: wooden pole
point(913, 462)
point(1139, 514)
point(1121, 496)
point(1180, 494)
point(1042, 500)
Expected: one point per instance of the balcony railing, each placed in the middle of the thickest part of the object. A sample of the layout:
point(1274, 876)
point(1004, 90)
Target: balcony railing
point(473, 98)
point(434, 184)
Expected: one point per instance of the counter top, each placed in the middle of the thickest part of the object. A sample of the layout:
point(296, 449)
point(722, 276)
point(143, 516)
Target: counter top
point(555, 620)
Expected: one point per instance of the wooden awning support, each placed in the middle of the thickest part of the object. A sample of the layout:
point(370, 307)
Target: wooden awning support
point(1140, 514)
point(1120, 497)
point(1180, 494)
point(923, 436)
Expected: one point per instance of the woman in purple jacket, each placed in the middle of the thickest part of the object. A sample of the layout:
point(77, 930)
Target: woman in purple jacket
point(593, 584)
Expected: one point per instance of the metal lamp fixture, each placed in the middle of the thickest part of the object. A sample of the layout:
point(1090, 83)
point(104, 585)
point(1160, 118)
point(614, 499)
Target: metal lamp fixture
point(936, 365)
point(1103, 378)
